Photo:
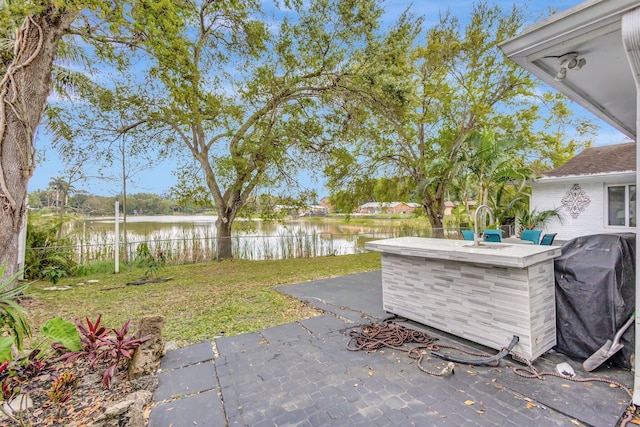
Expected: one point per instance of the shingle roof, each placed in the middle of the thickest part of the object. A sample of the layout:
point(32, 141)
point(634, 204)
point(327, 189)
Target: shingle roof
point(597, 160)
point(387, 205)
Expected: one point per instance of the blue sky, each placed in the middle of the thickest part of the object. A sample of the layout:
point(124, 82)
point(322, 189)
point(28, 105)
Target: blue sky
point(158, 178)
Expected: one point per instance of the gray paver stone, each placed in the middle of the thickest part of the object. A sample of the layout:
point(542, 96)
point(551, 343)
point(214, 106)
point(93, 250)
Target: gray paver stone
point(204, 409)
point(190, 355)
point(235, 345)
point(284, 333)
point(185, 381)
point(324, 324)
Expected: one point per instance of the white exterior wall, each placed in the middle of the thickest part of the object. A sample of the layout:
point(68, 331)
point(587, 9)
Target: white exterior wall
point(548, 193)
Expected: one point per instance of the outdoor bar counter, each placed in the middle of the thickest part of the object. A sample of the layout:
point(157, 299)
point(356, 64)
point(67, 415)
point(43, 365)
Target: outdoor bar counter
point(484, 294)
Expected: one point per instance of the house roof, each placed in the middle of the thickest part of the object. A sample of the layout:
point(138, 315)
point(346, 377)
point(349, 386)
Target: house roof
point(599, 160)
point(387, 205)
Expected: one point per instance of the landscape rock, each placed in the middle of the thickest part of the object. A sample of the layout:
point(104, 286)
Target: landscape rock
point(141, 398)
point(148, 382)
point(122, 414)
point(19, 403)
point(147, 357)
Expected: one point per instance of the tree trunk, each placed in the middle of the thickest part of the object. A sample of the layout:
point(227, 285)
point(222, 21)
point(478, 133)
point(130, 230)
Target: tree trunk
point(60, 222)
point(23, 94)
point(124, 206)
point(432, 215)
point(434, 209)
point(223, 239)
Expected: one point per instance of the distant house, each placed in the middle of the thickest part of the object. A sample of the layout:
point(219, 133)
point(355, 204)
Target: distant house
point(596, 191)
point(314, 210)
point(370, 208)
point(325, 202)
point(450, 206)
point(286, 209)
point(387, 208)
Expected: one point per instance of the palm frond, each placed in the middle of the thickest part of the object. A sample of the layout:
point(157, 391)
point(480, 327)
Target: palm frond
point(65, 82)
point(531, 220)
point(69, 51)
point(12, 315)
point(6, 46)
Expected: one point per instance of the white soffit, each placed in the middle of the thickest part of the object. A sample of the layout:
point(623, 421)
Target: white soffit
point(629, 176)
point(604, 85)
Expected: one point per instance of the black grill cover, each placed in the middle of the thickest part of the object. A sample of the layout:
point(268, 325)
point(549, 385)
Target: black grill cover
point(595, 294)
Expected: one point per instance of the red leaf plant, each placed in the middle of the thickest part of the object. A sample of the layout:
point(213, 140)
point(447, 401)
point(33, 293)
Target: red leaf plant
point(118, 348)
point(98, 344)
point(91, 340)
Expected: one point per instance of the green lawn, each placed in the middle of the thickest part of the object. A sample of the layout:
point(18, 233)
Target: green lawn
point(201, 301)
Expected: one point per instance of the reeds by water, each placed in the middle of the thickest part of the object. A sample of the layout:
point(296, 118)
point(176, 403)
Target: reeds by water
point(193, 245)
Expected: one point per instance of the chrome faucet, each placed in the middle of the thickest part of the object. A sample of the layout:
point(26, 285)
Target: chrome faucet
point(476, 235)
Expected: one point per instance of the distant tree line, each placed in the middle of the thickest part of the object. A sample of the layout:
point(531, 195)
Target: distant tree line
point(89, 204)
point(60, 196)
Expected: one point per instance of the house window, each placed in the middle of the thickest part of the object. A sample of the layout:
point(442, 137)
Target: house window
point(621, 204)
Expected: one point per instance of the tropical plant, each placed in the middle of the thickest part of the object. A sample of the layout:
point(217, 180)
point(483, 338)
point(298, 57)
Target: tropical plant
point(13, 376)
point(536, 220)
point(91, 342)
point(12, 316)
point(62, 388)
point(53, 274)
point(59, 186)
point(96, 344)
point(491, 160)
point(8, 387)
point(31, 365)
point(47, 257)
point(507, 199)
point(151, 263)
point(118, 348)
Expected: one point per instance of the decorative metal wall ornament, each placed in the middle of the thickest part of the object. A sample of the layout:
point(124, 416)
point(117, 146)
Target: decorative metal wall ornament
point(575, 201)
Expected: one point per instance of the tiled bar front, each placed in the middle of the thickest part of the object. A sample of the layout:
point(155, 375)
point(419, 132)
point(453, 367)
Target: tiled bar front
point(484, 303)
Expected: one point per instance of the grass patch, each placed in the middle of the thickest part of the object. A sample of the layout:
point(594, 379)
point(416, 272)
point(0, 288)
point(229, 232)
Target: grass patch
point(202, 301)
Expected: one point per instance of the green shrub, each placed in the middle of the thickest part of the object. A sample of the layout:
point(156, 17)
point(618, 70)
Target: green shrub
point(145, 259)
point(47, 257)
point(13, 324)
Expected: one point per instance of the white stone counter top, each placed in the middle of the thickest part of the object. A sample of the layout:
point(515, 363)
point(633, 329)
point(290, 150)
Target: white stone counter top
point(501, 254)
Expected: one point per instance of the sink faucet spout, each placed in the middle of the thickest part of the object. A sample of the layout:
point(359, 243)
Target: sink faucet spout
point(476, 235)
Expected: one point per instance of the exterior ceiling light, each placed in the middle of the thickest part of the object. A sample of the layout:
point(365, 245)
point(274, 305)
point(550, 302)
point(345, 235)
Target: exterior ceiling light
point(569, 61)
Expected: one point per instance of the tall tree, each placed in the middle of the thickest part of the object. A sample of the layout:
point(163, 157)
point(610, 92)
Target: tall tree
point(24, 87)
point(34, 30)
point(247, 105)
point(433, 96)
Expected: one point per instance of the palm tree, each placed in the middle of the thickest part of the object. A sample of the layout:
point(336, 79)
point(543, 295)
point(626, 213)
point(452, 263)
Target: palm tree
point(62, 188)
point(536, 220)
point(59, 186)
point(492, 160)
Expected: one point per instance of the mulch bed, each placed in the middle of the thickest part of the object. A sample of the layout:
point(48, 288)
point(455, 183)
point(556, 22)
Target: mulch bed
point(88, 400)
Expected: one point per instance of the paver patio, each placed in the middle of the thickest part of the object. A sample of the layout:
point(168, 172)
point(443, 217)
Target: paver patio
point(300, 374)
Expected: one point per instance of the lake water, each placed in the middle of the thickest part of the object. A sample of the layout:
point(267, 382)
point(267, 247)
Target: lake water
point(192, 238)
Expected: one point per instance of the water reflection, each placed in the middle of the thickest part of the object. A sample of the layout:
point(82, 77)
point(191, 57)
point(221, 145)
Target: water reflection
point(192, 238)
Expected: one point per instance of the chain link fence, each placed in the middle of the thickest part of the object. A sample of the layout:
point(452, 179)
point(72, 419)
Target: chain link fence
point(203, 249)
